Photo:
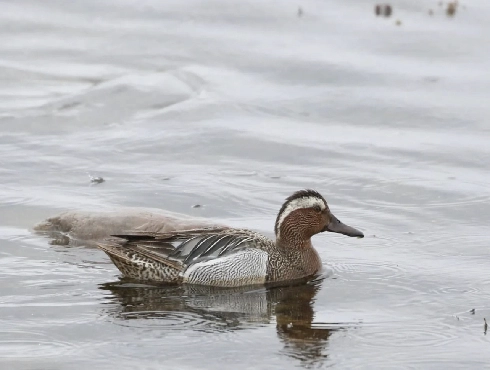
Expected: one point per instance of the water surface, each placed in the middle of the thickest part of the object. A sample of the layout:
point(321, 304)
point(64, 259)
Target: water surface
point(234, 106)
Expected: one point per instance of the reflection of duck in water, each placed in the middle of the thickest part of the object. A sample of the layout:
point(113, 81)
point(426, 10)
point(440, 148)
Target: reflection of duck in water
point(211, 309)
point(294, 324)
point(87, 228)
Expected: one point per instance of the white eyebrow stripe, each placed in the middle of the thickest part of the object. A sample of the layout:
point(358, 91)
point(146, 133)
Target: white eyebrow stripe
point(304, 202)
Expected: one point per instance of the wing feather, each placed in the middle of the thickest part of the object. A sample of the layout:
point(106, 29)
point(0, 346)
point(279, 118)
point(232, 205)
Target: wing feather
point(186, 247)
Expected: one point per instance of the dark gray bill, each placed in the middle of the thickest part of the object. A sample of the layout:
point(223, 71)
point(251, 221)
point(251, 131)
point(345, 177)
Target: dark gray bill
point(335, 226)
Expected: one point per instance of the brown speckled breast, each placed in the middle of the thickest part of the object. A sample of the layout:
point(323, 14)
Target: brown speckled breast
point(292, 263)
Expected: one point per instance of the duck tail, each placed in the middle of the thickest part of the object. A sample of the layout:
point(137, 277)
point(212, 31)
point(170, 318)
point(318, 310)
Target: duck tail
point(137, 266)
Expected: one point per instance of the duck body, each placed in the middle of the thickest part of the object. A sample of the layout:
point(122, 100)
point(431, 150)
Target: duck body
point(223, 257)
point(229, 257)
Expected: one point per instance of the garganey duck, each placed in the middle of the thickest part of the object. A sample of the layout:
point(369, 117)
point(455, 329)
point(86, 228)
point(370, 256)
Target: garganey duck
point(229, 257)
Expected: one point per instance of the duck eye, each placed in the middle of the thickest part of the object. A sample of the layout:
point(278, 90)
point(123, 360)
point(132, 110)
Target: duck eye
point(317, 208)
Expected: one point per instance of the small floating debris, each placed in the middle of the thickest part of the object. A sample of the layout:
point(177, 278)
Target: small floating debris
point(383, 10)
point(398, 22)
point(451, 8)
point(485, 327)
point(300, 12)
point(472, 311)
point(95, 180)
point(196, 206)
point(166, 178)
point(275, 177)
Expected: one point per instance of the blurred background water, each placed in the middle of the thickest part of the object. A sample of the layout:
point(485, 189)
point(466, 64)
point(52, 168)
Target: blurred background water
point(233, 106)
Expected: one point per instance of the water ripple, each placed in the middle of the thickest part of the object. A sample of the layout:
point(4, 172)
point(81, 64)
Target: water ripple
point(30, 344)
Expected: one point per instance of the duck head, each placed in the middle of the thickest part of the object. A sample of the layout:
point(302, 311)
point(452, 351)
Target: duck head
point(306, 213)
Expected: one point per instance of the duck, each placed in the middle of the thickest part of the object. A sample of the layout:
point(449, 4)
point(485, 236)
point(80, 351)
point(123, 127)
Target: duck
point(227, 257)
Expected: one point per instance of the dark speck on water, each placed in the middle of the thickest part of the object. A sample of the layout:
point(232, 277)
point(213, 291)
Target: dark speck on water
point(390, 124)
point(384, 10)
point(451, 8)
